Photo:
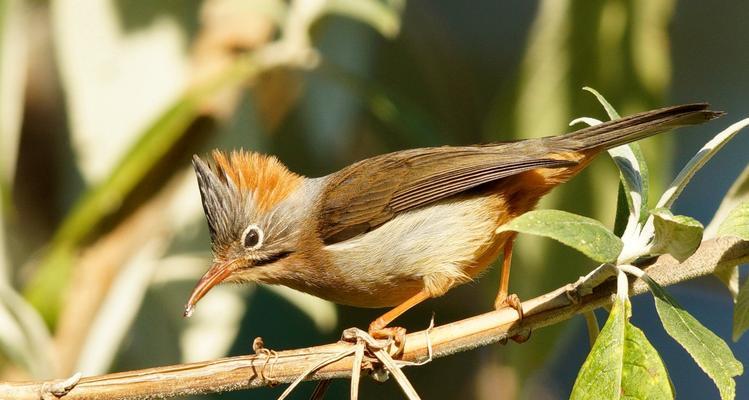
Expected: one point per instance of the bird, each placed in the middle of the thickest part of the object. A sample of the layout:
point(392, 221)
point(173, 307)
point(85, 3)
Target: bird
point(396, 229)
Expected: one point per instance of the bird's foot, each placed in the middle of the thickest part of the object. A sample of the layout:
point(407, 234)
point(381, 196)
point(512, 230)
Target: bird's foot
point(513, 301)
point(386, 365)
point(376, 347)
point(395, 335)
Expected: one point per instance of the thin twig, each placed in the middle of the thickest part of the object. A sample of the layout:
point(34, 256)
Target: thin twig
point(591, 322)
point(236, 373)
point(56, 389)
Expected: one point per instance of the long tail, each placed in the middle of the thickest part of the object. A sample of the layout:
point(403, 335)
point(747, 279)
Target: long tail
point(635, 127)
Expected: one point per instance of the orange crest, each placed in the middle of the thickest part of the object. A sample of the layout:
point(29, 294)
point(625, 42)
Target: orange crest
point(264, 176)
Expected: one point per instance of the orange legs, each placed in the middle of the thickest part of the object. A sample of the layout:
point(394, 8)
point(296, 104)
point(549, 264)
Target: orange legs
point(504, 299)
point(378, 328)
point(385, 319)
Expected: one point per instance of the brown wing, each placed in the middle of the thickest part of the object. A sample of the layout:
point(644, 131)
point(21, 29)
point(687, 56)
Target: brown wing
point(369, 193)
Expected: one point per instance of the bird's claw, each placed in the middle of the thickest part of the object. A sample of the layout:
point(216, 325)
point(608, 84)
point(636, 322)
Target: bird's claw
point(396, 336)
point(513, 301)
point(391, 339)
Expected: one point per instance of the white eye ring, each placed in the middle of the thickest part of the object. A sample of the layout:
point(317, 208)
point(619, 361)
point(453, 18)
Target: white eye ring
point(252, 237)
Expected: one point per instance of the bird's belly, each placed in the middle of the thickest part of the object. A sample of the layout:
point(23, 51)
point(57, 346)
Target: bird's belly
point(434, 247)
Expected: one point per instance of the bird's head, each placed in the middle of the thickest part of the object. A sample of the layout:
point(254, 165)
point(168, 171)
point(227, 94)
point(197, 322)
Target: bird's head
point(248, 199)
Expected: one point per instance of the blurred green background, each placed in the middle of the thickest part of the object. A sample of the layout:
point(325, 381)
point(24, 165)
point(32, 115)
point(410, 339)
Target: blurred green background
point(103, 102)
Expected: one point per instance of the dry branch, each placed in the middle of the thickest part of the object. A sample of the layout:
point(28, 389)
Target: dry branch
point(244, 372)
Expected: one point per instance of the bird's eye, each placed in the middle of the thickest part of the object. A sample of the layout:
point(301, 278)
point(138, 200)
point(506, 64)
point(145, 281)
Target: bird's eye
point(252, 237)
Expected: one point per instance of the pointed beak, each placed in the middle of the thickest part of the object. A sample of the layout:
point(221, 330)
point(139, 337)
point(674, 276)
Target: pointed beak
point(215, 275)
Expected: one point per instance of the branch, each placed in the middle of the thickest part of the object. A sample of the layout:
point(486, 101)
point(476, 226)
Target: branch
point(253, 371)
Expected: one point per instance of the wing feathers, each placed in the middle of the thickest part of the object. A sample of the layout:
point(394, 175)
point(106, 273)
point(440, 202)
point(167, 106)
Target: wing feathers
point(428, 190)
point(371, 192)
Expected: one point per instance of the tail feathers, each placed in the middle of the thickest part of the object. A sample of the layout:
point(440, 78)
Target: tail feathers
point(638, 126)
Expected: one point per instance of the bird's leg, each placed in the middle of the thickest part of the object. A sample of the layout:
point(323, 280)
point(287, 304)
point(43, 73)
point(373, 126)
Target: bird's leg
point(504, 298)
point(379, 328)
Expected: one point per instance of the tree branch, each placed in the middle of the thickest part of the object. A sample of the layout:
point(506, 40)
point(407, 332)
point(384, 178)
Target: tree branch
point(244, 372)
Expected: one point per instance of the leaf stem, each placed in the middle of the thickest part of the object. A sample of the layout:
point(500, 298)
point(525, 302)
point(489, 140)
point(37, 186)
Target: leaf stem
point(591, 323)
point(632, 270)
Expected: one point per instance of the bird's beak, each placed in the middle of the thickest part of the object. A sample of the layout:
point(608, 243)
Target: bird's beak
point(215, 275)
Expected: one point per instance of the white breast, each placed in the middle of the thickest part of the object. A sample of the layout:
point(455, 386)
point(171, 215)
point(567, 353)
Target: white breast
point(433, 244)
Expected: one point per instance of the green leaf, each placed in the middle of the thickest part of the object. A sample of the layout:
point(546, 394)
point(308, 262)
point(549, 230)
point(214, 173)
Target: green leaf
point(601, 374)
point(737, 222)
point(644, 375)
point(606, 105)
point(622, 210)
point(730, 277)
point(633, 172)
point(741, 312)
point(622, 363)
point(737, 194)
point(698, 161)
point(708, 350)
point(677, 235)
point(584, 234)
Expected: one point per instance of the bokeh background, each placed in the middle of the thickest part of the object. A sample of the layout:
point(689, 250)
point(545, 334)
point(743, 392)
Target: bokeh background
point(103, 102)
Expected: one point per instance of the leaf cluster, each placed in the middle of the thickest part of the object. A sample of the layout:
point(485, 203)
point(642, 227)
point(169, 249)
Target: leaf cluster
point(622, 362)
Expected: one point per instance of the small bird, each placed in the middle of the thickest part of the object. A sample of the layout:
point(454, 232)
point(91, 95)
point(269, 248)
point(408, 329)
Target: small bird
point(399, 228)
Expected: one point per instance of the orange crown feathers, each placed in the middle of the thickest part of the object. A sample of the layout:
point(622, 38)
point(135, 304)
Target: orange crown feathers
point(264, 176)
